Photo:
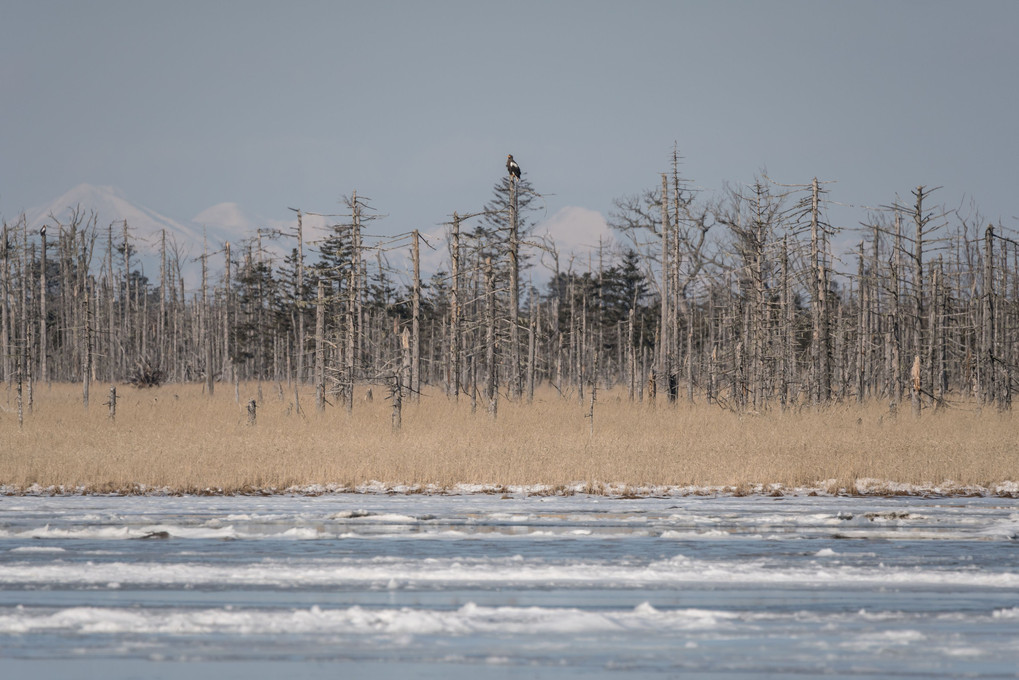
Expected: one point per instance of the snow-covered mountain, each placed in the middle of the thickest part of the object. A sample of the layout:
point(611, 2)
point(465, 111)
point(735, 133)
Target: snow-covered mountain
point(575, 230)
point(212, 228)
point(146, 225)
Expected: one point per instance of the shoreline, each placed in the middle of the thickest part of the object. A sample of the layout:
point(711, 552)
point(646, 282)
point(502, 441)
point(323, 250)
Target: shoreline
point(863, 488)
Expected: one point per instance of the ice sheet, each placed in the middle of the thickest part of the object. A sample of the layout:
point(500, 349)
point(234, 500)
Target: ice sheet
point(458, 585)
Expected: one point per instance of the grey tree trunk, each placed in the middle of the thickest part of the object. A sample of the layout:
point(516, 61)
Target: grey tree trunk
point(820, 346)
point(86, 352)
point(918, 302)
point(161, 328)
point(896, 317)
point(112, 353)
point(415, 349)
point(299, 296)
point(532, 349)
point(631, 359)
point(986, 363)
point(664, 361)
point(126, 304)
point(786, 353)
point(5, 314)
point(454, 310)
point(351, 343)
point(861, 330)
point(491, 380)
point(43, 344)
point(514, 284)
point(227, 361)
point(320, 349)
point(406, 368)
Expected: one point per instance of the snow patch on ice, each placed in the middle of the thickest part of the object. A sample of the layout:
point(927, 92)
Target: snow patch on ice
point(37, 549)
point(470, 619)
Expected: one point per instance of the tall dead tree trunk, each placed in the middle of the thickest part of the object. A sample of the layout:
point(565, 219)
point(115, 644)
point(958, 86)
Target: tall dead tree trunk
point(205, 326)
point(228, 368)
point(359, 270)
point(5, 302)
point(43, 341)
point(351, 342)
point(861, 329)
point(938, 342)
point(875, 315)
point(820, 346)
point(406, 368)
point(161, 326)
point(23, 345)
point(125, 310)
point(27, 327)
point(454, 310)
point(631, 358)
point(491, 380)
point(113, 356)
point(86, 351)
point(895, 317)
point(918, 301)
point(415, 349)
point(320, 349)
point(664, 360)
point(788, 343)
point(532, 347)
point(986, 363)
point(759, 308)
point(514, 292)
point(299, 297)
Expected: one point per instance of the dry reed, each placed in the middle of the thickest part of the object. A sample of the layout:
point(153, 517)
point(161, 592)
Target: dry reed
point(175, 438)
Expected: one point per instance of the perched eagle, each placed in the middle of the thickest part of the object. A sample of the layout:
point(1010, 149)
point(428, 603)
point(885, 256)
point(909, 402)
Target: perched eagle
point(512, 166)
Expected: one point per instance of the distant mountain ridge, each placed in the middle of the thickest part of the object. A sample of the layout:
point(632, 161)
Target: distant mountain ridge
point(214, 226)
point(218, 224)
point(576, 230)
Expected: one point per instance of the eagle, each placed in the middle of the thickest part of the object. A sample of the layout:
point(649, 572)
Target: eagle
point(511, 165)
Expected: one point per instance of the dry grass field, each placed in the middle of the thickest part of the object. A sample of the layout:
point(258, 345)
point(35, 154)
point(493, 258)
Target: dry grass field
point(174, 438)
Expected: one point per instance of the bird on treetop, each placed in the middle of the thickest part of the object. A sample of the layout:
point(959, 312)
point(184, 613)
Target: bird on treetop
point(512, 166)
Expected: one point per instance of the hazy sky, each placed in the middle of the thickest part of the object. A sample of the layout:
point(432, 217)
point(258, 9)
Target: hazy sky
point(183, 105)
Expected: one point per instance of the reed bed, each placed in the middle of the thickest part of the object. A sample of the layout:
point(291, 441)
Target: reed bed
point(177, 439)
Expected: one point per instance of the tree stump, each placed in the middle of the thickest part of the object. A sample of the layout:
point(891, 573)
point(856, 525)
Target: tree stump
point(397, 395)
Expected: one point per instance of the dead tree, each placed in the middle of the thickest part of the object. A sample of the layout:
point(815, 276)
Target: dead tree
point(514, 292)
point(924, 222)
point(43, 342)
point(820, 347)
point(455, 332)
point(491, 369)
point(320, 368)
point(205, 326)
point(415, 350)
point(987, 368)
point(396, 394)
point(664, 358)
point(229, 371)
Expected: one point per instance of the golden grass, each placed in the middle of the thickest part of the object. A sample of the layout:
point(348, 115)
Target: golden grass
point(175, 438)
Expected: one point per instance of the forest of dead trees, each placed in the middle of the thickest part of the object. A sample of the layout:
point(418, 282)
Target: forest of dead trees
point(752, 301)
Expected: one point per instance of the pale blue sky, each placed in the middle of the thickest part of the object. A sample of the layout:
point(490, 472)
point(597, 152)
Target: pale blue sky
point(183, 105)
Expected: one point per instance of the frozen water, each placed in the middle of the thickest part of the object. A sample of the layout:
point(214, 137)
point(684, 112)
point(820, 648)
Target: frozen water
point(457, 586)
